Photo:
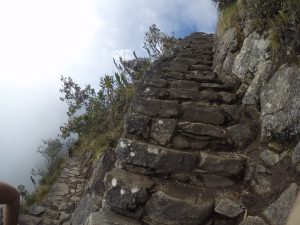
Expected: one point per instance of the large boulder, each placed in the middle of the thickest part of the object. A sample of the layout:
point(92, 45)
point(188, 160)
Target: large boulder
point(222, 163)
point(253, 52)
point(280, 105)
point(278, 212)
point(225, 45)
point(296, 157)
point(262, 76)
point(126, 192)
point(179, 206)
point(202, 113)
point(107, 217)
point(154, 157)
point(162, 130)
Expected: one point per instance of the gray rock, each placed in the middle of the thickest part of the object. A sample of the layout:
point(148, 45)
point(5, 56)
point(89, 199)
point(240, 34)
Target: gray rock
point(185, 94)
point(156, 82)
point(137, 124)
point(229, 208)
point(152, 92)
point(225, 44)
point(64, 217)
point(178, 67)
point(222, 163)
point(278, 212)
point(126, 191)
point(214, 181)
point(51, 222)
point(198, 145)
point(107, 217)
point(201, 67)
point(296, 157)
point(180, 142)
point(36, 210)
point(270, 158)
point(253, 220)
point(85, 207)
point(178, 207)
point(201, 76)
point(197, 112)
point(262, 76)
point(30, 220)
point(174, 75)
point(280, 105)
point(203, 129)
point(184, 84)
point(155, 157)
point(241, 134)
point(162, 130)
point(95, 185)
point(254, 51)
point(59, 189)
point(227, 98)
point(154, 107)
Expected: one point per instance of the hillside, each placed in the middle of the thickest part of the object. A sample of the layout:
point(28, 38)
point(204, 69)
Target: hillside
point(211, 136)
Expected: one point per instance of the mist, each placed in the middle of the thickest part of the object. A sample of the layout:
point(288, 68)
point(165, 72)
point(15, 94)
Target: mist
point(42, 40)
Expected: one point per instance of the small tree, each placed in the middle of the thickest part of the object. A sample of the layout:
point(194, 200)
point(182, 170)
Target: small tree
point(23, 192)
point(50, 150)
point(158, 43)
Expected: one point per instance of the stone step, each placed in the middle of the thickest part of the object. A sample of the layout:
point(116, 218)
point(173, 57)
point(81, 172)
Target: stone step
point(202, 113)
point(126, 192)
point(30, 220)
point(107, 217)
point(179, 205)
point(202, 129)
point(156, 159)
point(154, 107)
point(202, 76)
point(200, 68)
point(166, 203)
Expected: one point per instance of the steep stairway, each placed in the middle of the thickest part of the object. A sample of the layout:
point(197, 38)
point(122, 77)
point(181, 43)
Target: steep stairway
point(61, 200)
point(178, 162)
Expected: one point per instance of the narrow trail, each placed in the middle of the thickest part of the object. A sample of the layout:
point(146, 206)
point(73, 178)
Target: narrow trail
point(62, 198)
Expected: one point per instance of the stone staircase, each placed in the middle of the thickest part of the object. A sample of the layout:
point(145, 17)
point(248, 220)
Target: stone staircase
point(61, 200)
point(178, 162)
point(189, 156)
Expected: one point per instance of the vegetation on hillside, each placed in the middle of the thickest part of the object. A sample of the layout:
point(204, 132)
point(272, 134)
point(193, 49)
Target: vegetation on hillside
point(280, 19)
point(96, 116)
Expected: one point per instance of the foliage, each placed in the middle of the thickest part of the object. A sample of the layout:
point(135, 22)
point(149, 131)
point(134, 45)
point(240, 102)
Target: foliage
point(158, 43)
point(282, 18)
point(50, 150)
point(228, 18)
point(223, 4)
point(22, 190)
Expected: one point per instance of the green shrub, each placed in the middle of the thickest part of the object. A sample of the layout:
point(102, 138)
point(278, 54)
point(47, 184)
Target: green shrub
point(228, 18)
point(223, 4)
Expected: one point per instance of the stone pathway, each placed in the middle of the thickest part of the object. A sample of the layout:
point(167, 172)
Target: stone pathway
point(62, 198)
point(183, 159)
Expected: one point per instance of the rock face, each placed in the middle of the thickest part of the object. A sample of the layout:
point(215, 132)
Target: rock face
point(252, 53)
point(280, 102)
point(278, 212)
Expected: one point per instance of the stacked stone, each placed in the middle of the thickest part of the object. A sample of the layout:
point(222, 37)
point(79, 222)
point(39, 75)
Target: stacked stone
point(181, 138)
point(61, 200)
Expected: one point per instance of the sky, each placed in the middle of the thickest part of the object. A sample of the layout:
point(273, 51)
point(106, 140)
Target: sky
point(40, 40)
